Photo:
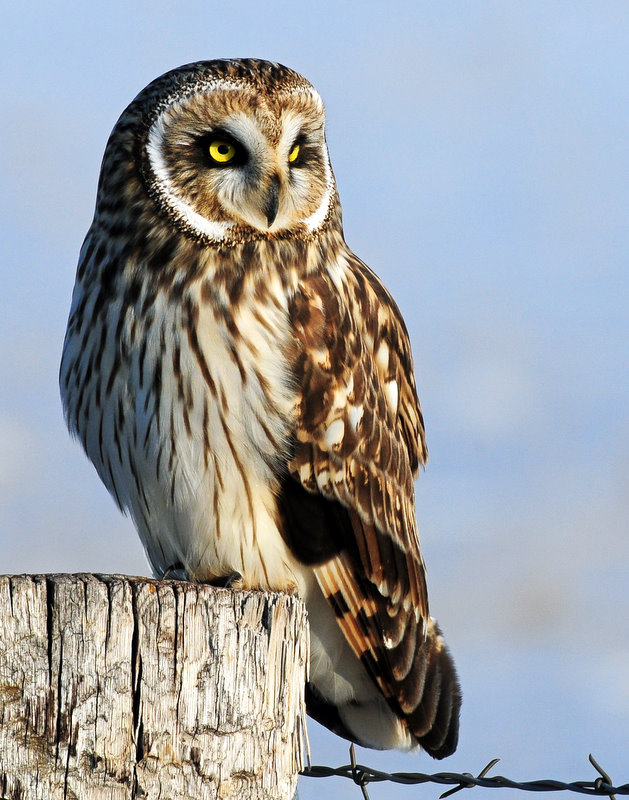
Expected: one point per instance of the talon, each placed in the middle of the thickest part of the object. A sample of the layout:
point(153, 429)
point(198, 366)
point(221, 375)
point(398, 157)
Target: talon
point(232, 580)
point(226, 581)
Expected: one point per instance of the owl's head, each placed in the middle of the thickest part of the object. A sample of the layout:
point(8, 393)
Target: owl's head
point(229, 150)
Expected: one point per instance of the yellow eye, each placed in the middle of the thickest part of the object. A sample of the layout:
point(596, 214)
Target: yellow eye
point(292, 156)
point(222, 151)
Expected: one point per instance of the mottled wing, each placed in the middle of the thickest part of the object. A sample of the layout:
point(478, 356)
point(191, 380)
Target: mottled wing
point(359, 441)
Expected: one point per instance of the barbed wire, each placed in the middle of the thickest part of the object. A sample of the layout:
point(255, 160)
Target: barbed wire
point(362, 776)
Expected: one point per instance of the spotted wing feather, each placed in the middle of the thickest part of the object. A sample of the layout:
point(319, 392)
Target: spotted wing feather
point(359, 442)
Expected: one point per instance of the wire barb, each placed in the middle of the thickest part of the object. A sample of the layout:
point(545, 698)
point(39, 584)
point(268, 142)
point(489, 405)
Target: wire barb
point(467, 784)
point(598, 783)
point(357, 774)
point(362, 776)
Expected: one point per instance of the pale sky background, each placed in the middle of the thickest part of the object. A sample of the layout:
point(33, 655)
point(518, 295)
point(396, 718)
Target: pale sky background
point(482, 155)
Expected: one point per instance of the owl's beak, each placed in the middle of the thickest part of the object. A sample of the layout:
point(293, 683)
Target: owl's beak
point(272, 200)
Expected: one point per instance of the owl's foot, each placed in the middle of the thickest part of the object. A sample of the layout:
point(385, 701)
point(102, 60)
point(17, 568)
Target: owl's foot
point(230, 581)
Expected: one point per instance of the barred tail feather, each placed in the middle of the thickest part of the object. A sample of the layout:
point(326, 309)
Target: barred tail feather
point(435, 721)
point(347, 694)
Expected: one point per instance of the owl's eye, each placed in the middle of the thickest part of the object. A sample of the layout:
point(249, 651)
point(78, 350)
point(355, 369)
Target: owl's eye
point(294, 154)
point(222, 152)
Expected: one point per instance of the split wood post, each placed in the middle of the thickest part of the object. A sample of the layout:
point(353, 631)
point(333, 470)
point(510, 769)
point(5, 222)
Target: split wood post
point(117, 688)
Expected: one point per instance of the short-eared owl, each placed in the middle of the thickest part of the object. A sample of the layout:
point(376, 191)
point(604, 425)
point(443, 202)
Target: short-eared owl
point(244, 386)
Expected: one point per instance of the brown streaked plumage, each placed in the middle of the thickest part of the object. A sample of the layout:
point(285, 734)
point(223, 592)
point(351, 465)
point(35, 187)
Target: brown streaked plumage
point(244, 386)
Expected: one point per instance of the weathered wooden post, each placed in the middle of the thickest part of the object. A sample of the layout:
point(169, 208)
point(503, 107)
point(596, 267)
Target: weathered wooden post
point(117, 688)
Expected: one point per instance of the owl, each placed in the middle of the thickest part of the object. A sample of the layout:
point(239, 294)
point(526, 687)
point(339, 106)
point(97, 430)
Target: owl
point(244, 386)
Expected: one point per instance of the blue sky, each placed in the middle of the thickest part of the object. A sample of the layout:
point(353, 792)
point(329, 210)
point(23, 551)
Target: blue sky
point(482, 155)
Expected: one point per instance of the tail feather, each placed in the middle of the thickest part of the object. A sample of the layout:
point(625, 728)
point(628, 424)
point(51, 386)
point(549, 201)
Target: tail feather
point(345, 695)
point(435, 722)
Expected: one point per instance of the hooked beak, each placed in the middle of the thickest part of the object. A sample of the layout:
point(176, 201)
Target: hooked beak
point(272, 201)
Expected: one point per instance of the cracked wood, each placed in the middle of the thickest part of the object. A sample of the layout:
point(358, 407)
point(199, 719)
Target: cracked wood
point(118, 688)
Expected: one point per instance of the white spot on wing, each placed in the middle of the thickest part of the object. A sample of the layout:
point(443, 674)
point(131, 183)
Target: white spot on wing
point(334, 433)
point(323, 479)
point(382, 356)
point(391, 393)
point(355, 414)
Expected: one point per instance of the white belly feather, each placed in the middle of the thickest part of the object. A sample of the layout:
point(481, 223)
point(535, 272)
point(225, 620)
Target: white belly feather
point(196, 465)
point(223, 518)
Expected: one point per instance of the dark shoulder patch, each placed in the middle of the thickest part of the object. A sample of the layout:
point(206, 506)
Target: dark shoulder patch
point(316, 529)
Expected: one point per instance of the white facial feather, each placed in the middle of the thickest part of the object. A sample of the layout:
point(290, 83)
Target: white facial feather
point(234, 188)
point(215, 230)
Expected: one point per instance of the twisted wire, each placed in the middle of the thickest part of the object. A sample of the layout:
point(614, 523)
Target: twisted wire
point(362, 776)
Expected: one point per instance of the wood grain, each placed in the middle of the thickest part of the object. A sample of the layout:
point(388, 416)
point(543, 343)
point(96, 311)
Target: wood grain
point(114, 688)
